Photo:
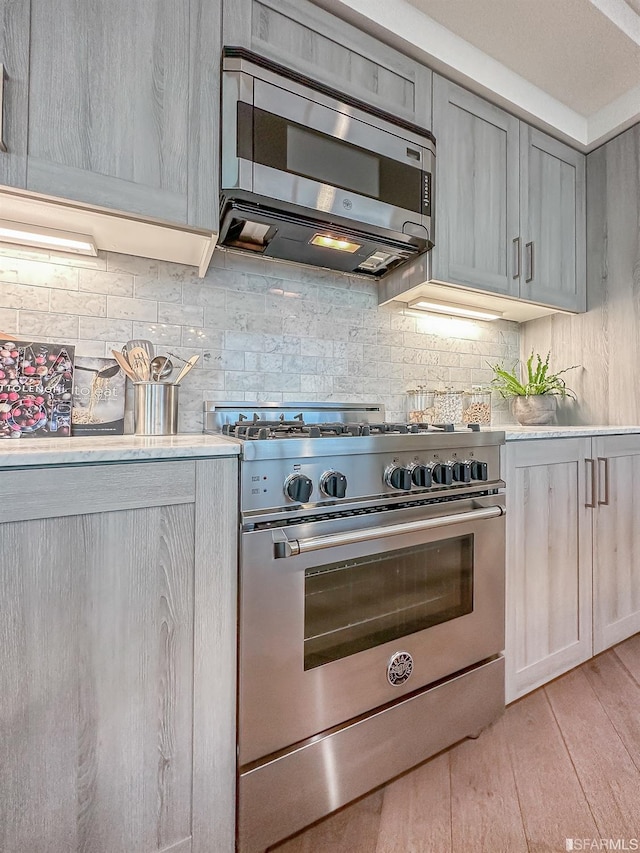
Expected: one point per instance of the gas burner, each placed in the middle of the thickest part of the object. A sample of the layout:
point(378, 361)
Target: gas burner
point(329, 428)
point(260, 428)
point(385, 429)
point(424, 427)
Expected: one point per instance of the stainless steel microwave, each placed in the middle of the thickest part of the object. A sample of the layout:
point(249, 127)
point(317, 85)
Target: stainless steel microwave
point(313, 176)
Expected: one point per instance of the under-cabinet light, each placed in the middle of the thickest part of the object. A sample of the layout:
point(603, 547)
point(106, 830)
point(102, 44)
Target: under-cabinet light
point(46, 238)
point(337, 243)
point(454, 309)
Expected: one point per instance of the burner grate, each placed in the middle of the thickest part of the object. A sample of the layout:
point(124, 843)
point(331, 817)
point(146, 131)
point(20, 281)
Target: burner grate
point(261, 429)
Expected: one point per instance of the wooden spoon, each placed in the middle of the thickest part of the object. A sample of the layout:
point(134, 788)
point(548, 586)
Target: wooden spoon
point(139, 361)
point(124, 364)
point(187, 367)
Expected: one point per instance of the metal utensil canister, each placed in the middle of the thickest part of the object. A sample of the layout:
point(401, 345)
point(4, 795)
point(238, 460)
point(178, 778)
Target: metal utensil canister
point(155, 408)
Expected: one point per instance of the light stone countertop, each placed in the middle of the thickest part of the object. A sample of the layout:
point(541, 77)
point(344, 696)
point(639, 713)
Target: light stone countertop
point(20, 453)
point(515, 433)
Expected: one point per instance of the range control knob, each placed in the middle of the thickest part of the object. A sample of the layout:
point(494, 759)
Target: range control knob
point(442, 473)
point(462, 471)
point(333, 484)
point(421, 475)
point(479, 470)
point(398, 477)
point(298, 488)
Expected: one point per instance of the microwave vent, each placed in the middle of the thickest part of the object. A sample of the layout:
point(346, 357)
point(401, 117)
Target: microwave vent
point(378, 261)
point(250, 236)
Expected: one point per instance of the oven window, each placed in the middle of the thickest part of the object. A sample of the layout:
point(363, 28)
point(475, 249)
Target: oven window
point(358, 604)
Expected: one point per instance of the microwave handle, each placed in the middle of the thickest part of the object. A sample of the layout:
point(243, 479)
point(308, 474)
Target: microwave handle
point(284, 547)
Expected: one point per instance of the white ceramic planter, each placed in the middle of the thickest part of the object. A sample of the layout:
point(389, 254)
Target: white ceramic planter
point(534, 411)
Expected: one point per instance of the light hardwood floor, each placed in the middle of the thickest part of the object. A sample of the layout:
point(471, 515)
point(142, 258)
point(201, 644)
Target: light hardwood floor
point(562, 763)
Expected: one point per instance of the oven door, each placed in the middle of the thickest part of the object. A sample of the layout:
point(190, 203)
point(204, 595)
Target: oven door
point(338, 617)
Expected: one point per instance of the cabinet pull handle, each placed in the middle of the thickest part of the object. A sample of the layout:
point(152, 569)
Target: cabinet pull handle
point(592, 477)
point(605, 502)
point(3, 75)
point(516, 243)
point(529, 251)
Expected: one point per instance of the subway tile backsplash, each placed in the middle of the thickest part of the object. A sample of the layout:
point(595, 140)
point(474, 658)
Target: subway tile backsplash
point(264, 330)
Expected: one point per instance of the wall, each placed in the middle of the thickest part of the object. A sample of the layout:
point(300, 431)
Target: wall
point(264, 330)
point(605, 341)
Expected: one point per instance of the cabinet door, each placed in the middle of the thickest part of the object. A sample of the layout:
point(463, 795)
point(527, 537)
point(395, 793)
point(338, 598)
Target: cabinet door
point(203, 160)
point(109, 102)
point(14, 57)
point(476, 191)
point(548, 629)
point(117, 662)
point(552, 221)
point(616, 609)
point(320, 45)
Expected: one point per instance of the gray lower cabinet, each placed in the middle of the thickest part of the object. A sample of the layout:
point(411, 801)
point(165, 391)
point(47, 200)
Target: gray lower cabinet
point(548, 565)
point(117, 675)
point(299, 35)
point(616, 554)
point(573, 553)
point(510, 204)
point(114, 103)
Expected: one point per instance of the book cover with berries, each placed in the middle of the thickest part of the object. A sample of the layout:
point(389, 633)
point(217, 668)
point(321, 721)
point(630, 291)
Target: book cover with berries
point(36, 384)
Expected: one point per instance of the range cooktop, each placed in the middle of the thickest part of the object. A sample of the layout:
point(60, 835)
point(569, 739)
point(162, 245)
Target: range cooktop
point(269, 421)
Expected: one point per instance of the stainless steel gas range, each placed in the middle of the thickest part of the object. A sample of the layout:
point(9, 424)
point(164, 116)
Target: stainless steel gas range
point(371, 606)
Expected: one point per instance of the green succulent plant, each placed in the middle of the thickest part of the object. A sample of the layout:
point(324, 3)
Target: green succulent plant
point(535, 379)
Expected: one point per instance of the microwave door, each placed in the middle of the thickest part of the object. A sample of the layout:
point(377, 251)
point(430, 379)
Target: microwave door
point(309, 155)
point(338, 122)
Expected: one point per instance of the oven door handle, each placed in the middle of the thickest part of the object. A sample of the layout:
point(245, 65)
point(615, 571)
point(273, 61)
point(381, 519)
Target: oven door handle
point(284, 547)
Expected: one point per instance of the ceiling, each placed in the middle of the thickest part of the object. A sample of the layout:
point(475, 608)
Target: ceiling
point(568, 66)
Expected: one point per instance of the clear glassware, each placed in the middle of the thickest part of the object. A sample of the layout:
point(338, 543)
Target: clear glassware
point(420, 406)
point(477, 407)
point(447, 406)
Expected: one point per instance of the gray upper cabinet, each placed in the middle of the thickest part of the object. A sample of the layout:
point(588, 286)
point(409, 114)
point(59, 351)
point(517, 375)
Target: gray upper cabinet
point(552, 221)
point(122, 104)
point(476, 191)
point(14, 59)
point(510, 204)
point(321, 46)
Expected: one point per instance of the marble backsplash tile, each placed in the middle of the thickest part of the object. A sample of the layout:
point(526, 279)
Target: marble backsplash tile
point(264, 330)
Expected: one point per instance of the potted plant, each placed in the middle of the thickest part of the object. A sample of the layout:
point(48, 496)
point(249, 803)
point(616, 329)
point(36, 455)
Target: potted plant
point(533, 395)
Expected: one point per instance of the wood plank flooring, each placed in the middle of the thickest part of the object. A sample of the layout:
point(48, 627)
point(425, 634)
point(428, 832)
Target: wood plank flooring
point(562, 763)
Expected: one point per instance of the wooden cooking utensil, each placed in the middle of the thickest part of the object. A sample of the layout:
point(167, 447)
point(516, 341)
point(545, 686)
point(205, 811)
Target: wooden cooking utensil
point(187, 367)
point(147, 346)
point(124, 364)
point(140, 364)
